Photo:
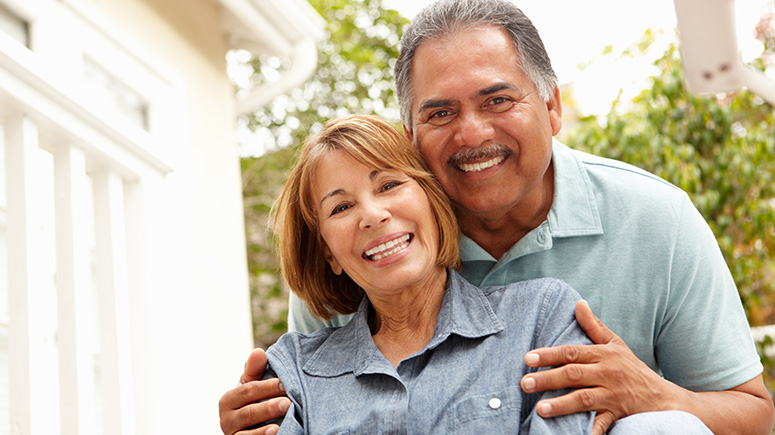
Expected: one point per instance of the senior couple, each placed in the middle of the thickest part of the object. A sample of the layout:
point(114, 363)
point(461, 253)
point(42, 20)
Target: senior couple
point(460, 332)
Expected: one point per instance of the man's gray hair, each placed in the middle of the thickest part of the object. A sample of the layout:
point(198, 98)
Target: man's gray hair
point(445, 17)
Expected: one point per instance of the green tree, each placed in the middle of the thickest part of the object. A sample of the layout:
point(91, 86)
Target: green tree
point(720, 149)
point(354, 75)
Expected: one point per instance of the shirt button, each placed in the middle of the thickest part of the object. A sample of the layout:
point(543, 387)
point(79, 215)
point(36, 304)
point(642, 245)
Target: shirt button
point(541, 237)
point(495, 403)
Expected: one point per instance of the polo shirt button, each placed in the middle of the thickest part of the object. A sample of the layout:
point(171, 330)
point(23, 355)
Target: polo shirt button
point(541, 237)
point(495, 403)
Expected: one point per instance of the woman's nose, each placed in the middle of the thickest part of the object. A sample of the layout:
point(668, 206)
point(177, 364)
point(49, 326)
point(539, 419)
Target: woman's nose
point(373, 215)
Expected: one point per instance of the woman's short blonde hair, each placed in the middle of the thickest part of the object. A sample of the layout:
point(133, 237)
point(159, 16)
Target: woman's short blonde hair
point(379, 145)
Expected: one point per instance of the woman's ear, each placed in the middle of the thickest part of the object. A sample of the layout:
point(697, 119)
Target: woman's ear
point(335, 266)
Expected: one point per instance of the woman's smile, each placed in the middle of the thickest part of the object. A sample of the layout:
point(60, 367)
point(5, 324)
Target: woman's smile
point(384, 250)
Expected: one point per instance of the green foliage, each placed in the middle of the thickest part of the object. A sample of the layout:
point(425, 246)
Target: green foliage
point(262, 180)
point(719, 149)
point(354, 75)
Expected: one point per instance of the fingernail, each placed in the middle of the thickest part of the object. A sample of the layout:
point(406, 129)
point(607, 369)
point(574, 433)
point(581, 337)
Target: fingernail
point(283, 405)
point(528, 384)
point(282, 388)
point(546, 409)
point(532, 358)
point(272, 431)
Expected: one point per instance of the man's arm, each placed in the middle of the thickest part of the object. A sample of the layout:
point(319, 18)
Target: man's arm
point(615, 383)
point(254, 401)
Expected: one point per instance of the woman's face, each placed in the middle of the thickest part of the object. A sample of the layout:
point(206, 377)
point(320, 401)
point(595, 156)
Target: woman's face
point(378, 225)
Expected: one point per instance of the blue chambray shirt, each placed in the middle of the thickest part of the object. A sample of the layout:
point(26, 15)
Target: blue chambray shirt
point(340, 383)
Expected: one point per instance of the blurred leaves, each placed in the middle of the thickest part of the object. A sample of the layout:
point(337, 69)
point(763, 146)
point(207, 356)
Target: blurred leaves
point(720, 149)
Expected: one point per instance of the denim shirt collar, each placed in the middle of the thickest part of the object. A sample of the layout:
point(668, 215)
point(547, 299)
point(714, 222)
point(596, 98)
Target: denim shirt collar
point(465, 311)
point(574, 210)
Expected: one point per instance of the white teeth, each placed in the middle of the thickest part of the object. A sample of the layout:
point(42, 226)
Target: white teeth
point(388, 248)
point(476, 167)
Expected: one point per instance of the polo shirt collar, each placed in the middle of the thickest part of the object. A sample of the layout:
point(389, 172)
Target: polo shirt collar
point(573, 213)
point(465, 311)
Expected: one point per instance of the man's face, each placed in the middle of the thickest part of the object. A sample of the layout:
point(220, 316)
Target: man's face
point(479, 122)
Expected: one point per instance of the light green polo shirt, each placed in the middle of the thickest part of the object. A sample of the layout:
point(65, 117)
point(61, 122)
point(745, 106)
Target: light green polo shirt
point(636, 248)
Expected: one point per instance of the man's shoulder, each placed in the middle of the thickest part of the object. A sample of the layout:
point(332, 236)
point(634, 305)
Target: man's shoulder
point(620, 181)
point(621, 171)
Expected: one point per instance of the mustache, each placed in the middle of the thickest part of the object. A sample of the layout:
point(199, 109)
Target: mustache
point(487, 152)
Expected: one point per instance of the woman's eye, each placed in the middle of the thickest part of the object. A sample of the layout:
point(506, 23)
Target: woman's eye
point(389, 185)
point(340, 208)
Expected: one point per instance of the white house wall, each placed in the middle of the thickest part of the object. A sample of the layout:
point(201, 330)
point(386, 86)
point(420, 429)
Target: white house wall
point(171, 282)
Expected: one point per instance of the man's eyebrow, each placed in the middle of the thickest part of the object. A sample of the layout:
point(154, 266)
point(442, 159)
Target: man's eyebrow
point(498, 87)
point(432, 104)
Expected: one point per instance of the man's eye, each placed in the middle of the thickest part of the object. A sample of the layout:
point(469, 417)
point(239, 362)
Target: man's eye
point(440, 117)
point(499, 104)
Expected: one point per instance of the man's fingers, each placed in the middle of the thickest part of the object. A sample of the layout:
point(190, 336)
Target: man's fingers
point(603, 421)
point(260, 413)
point(271, 429)
point(234, 420)
point(594, 327)
point(561, 355)
point(581, 400)
point(251, 392)
point(568, 376)
point(255, 366)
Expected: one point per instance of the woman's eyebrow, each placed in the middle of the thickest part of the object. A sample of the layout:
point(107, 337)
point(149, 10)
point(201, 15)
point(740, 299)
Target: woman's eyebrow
point(333, 193)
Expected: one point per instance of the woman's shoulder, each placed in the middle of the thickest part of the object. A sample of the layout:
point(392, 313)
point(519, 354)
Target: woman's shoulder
point(540, 301)
point(532, 289)
point(299, 346)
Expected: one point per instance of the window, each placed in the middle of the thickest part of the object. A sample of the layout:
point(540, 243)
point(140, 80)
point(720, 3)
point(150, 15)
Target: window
point(14, 26)
point(115, 94)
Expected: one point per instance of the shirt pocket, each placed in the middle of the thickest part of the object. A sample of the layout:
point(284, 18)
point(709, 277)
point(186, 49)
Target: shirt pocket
point(492, 413)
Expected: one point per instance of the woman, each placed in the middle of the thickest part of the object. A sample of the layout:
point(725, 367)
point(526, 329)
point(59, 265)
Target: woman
point(363, 226)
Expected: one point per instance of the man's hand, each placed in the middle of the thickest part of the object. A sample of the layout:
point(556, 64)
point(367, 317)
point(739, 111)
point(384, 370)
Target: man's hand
point(254, 401)
point(610, 378)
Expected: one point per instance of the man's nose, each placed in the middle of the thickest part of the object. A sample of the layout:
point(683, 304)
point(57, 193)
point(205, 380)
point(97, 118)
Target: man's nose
point(473, 129)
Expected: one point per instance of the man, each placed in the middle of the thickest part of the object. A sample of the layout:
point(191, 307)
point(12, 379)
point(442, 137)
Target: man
point(480, 101)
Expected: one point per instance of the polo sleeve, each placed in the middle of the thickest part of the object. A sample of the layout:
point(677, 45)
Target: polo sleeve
point(300, 319)
point(704, 343)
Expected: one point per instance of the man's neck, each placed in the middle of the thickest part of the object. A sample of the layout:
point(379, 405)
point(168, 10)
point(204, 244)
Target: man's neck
point(499, 231)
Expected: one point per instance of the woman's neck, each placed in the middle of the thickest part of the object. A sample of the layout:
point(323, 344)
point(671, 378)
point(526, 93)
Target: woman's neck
point(405, 322)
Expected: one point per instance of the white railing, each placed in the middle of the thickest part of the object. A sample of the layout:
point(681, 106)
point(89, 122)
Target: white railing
point(86, 173)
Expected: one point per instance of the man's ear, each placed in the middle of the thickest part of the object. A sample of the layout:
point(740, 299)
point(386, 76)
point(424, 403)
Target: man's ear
point(408, 133)
point(335, 266)
point(554, 106)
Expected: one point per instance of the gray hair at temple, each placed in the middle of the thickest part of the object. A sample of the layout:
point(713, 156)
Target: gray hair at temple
point(445, 17)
